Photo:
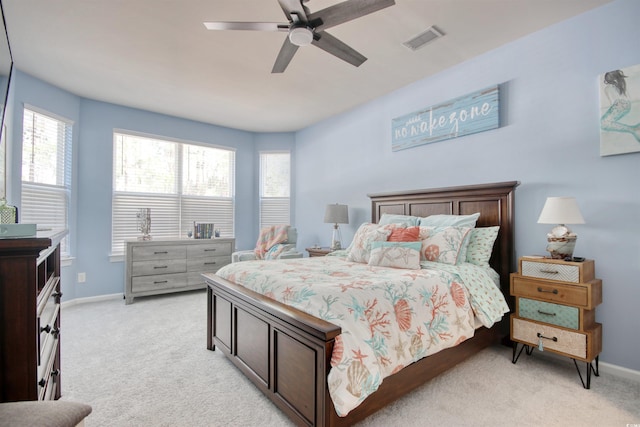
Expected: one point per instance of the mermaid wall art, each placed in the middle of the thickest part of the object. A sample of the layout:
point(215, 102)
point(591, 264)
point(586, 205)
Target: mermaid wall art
point(620, 111)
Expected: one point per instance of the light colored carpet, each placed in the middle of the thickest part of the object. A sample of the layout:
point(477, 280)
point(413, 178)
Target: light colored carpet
point(146, 364)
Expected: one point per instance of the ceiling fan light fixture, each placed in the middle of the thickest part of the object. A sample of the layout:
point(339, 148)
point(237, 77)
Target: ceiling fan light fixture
point(301, 36)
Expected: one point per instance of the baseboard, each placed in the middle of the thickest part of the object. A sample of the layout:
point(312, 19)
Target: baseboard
point(603, 367)
point(619, 371)
point(77, 301)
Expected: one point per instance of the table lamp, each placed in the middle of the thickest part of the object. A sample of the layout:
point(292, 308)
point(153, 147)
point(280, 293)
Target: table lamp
point(336, 214)
point(561, 240)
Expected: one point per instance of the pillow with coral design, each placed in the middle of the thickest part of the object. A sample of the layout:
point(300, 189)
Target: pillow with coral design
point(442, 244)
point(360, 248)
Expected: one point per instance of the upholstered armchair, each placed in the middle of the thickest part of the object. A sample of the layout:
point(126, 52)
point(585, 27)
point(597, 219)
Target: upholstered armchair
point(286, 251)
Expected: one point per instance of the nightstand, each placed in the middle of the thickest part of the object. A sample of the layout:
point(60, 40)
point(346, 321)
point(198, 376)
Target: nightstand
point(555, 311)
point(318, 251)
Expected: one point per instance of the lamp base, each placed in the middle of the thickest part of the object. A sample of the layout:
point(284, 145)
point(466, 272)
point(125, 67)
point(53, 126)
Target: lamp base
point(561, 247)
point(336, 238)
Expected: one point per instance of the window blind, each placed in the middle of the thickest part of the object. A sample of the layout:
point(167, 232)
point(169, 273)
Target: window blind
point(46, 171)
point(181, 183)
point(275, 188)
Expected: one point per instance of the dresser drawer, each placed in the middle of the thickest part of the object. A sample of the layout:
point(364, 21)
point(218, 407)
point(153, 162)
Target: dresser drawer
point(154, 283)
point(556, 314)
point(563, 271)
point(157, 252)
point(161, 266)
point(585, 295)
point(47, 370)
point(209, 249)
point(212, 263)
point(575, 344)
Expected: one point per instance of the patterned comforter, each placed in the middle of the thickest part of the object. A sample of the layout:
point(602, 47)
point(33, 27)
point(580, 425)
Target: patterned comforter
point(389, 317)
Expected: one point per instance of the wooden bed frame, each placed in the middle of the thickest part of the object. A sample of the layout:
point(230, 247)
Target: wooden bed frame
point(286, 352)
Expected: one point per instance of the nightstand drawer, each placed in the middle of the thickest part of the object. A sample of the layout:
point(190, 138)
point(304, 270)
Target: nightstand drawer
point(563, 271)
point(578, 345)
point(585, 295)
point(556, 314)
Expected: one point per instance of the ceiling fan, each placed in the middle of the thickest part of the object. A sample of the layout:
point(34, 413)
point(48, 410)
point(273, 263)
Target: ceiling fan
point(306, 28)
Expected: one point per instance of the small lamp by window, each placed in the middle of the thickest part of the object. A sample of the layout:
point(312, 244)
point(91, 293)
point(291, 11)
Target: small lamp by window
point(561, 211)
point(336, 214)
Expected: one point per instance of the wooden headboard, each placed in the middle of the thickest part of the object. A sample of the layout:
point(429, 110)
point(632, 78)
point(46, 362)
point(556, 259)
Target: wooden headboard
point(495, 202)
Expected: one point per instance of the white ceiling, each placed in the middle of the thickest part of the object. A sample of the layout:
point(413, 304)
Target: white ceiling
point(157, 55)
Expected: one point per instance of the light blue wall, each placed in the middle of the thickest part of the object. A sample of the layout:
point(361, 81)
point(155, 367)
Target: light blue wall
point(549, 142)
point(94, 123)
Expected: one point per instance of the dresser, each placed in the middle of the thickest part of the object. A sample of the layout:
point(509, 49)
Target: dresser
point(555, 311)
point(30, 317)
point(172, 265)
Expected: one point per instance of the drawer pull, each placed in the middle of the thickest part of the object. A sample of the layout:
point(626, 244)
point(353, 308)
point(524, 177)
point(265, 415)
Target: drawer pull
point(550, 271)
point(46, 329)
point(42, 383)
point(210, 250)
point(165, 266)
point(160, 252)
point(210, 263)
point(540, 337)
point(555, 291)
point(55, 332)
point(160, 281)
point(545, 313)
point(55, 373)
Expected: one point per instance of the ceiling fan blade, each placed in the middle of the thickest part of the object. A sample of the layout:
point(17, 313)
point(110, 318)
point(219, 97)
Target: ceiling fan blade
point(247, 26)
point(294, 7)
point(287, 51)
point(345, 11)
point(332, 45)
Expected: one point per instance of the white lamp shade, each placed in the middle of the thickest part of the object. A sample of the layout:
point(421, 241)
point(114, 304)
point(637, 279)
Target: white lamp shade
point(561, 210)
point(336, 214)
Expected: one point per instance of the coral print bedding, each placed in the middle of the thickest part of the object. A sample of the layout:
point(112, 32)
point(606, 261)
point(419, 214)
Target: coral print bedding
point(390, 317)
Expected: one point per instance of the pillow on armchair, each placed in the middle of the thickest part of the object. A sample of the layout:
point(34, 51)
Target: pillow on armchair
point(284, 249)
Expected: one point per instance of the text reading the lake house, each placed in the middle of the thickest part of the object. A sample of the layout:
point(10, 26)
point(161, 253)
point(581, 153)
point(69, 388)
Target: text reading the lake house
point(472, 113)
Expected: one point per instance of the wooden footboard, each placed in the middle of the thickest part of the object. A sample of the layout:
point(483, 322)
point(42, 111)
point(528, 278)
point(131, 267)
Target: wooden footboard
point(287, 352)
point(284, 351)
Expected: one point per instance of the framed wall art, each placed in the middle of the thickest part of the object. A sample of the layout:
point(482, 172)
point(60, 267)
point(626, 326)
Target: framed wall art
point(620, 111)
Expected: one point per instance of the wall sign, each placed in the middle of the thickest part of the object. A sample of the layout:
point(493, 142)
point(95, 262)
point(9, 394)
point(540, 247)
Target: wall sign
point(472, 113)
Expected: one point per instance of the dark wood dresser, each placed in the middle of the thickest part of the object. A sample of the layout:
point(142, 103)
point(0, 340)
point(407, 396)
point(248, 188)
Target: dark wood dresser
point(30, 317)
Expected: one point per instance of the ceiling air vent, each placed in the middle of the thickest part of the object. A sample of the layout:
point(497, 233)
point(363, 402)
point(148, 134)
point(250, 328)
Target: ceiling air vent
point(424, 38)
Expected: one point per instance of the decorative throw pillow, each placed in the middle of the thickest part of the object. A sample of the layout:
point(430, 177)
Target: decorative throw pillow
point(442, 244)
point(406, 220)
point(396, 254)
point(360, 248)
point(453, 221)
point(481, 245)
point(409, 234)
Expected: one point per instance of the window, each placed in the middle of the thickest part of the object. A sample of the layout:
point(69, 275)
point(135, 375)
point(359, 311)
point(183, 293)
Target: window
point(275, 188)
point(181, 183)
point(46, 171)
